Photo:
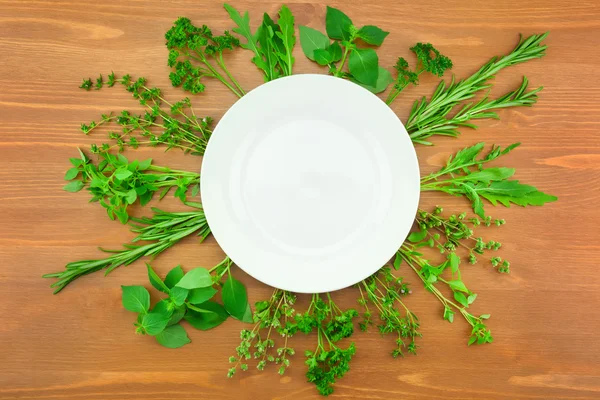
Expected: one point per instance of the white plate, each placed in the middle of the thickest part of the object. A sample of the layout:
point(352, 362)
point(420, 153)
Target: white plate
point(310, 183)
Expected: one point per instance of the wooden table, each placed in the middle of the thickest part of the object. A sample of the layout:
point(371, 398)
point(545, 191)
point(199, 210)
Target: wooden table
point(80, 344)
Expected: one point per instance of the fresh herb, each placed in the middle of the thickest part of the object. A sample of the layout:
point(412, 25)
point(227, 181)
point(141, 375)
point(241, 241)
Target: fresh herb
point(464, 175)
point(275, 315)
point(161, 232)
point(363, 62)
point(272, 43)
point(430, 117)
point(117, 183)
point(174, 125)
point(188, 298)
point(429, 60)
point(195, 53)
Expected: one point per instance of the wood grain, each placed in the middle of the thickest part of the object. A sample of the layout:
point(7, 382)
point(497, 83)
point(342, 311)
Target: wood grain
point(80, 344)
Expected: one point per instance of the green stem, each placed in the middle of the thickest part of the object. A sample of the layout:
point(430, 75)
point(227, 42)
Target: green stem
point(224, 68)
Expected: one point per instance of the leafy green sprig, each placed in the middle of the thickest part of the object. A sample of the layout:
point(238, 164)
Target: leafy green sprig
point(448, 234)
point(275, 315)
point(464, 175)
point(117, 183)
point(430, 117)
point(430, 275)
point(383, 291)
point(272, 44)
point(174, 125)
point(195, 53)
point(440, 124)
point(363, 62)
point(161, 231)
point(429, 60)
point(189, 298)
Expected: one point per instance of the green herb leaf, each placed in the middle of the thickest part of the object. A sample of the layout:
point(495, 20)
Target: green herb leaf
point(201, 295)
point(71, 173)
point(155, 280)
point(458, 285)
point(173, 337)
point(384, 79)
point(74, 186)
point(416, 237)
point(323, 56)
point(363, 65)
point(372, 34)
point(454, 262)
point(337, 24)
point(178, 295)
point(288, 38)
point(154, 323)
point(212, 315)
point(336, 51)
point(195, 278)
point(235, 298)
point(247, 318)
point(311, 40)
point(174, 276)
point(461, 298)
point(136, 298)
point(178, 314)
point(163, 307)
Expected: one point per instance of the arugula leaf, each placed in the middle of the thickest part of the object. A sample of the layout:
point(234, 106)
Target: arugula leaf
point(337, 24)
point(311, 40)
point(173, 337)
point(288, 38)
point(372, 34)
point(136, 298)
point(235, 298)
point(363, 65)
point(243, 29)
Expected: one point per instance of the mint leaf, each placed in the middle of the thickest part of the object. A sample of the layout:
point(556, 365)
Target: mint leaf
point(154, 323)
point(311, 40)
point(73, 187)
point(337, 24)
point(235, 298)
point(178, 295)
point(155, 280)
point(363, 65)
point(173, 337)
point(135, 298)
point(195, 278)
point(174, 276)
point(372, 34)
point(201, 295)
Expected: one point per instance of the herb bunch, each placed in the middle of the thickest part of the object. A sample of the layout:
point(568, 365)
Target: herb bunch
point(161, 231)
point(189, 298)
point(174, 125)
point(116, 183)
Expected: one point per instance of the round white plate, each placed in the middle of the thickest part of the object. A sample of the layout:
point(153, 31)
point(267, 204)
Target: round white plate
point(310, 183)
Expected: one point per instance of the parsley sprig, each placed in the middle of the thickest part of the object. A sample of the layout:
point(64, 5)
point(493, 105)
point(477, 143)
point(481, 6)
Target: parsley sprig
point(195, 53)
point(174, 125)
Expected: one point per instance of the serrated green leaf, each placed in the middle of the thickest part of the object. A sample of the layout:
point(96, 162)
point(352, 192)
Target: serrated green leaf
point(155, 280)
point(135, 298)
point(372, 34)
point(337, 24)
point(363, 65)
point(311, 40)
point(173, 337)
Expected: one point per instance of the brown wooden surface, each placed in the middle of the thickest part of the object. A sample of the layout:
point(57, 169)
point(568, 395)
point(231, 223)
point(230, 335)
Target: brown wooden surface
point(80, 344)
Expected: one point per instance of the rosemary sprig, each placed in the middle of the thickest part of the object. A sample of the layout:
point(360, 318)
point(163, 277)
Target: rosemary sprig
point(429, 117)
point(162, 230)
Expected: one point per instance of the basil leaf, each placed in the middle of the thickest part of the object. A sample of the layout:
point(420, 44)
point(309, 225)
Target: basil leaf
point(336, 51)
point(384, 78)
point(178, 314)
point(458, 285)
point(363, 65)
point(337, 24)
point(235, 298)
point(73, 187)
point(196, 278)
point(154, 323)
point(311, 40)
point(323, 57)
point(200, 295)
point(372, 34)
point(178, 295)
point(155, 280)
point(136, 298)
point(174, 276)
point(173, 337)
point(206, 316)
